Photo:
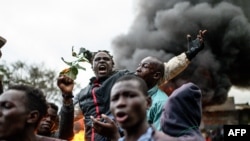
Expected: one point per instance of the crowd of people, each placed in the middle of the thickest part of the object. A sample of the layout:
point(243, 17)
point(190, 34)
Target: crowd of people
point(116, 104)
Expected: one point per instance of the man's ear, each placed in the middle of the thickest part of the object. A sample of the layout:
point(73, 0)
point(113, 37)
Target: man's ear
point(149, 102)
point(33, 116)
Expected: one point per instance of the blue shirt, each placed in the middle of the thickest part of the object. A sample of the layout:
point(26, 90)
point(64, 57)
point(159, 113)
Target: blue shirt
point(159, 99)
point(148, 136)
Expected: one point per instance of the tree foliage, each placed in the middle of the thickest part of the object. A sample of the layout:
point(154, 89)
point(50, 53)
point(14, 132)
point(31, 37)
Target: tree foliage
point(36, 75)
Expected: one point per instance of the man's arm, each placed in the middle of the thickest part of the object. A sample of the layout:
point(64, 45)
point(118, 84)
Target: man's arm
point(175, 66)
point(66, 122)
point(179, 63)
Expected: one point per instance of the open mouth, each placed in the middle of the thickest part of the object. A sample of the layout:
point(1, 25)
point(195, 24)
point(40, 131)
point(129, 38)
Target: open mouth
point(121, 117)
point(102, 69)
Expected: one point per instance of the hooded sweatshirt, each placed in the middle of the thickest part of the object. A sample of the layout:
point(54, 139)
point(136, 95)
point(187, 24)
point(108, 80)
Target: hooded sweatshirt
point(181, 116)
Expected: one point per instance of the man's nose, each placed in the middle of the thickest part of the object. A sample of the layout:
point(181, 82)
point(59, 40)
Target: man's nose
point(102, 60)
point(121, 102)
point(138, 69)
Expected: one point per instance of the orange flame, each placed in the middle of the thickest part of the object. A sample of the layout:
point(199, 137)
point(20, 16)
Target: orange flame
point(79, 131)
point(79, 136)
point(168, 87)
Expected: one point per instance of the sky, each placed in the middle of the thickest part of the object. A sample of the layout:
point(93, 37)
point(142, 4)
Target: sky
point(43, 31)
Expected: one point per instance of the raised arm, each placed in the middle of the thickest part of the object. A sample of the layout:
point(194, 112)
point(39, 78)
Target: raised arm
point(179, 63)
point(66, 122)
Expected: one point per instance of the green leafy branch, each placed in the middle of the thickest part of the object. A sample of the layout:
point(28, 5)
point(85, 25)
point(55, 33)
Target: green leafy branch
point(84, 55)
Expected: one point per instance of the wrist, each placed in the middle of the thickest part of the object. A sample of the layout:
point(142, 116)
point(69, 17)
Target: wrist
point(189, 55)
point(67, 95)
point(67, 102)
point(68, 106)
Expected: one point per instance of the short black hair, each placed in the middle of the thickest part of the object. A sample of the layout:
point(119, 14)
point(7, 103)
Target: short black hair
point(53, 106)
point(160, 68)
point(35, 99)
point(105, 51)
point(142, 84)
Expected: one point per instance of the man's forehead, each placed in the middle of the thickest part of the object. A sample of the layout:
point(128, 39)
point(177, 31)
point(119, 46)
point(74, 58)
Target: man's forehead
point(100, 54)
point(149, 63)
point(148, 60)
point(126, 85)
point(12, 95)
point(52, 111)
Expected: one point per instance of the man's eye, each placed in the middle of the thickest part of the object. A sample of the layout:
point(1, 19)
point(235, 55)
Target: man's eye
point(97, 59)
point(114, 98)
point(145, 66)
point(132, 95)
point(6, 105)
point(106, 58)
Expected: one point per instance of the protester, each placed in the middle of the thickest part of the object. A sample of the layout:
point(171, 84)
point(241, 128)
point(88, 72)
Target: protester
point(94, 99)
point(48, 125)
point(21, 109)
point(151, 70)
point(129, 102)
point(181, 116)
point(180, 119)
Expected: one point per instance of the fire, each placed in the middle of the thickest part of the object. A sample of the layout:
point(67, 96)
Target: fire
point(79, 133)
point(168, 87)
point(79, 136)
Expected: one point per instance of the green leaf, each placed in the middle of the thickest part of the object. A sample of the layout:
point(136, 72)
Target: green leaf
point(74, 65)
point(72, 73)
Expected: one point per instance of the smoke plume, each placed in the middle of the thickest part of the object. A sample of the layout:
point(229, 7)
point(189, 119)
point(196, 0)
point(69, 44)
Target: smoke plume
point(160, 30)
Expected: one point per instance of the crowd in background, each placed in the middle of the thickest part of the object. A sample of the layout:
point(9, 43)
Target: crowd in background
point(116, 105)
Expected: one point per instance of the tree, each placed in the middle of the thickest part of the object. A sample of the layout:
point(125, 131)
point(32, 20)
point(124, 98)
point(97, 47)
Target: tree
point(33, 74)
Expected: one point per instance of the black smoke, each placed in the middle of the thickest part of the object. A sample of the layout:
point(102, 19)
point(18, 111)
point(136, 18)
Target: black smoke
point(160, 30)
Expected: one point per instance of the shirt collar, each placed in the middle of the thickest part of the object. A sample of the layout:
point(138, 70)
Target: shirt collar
point(153, 90)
